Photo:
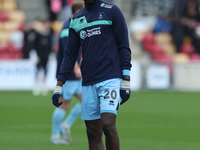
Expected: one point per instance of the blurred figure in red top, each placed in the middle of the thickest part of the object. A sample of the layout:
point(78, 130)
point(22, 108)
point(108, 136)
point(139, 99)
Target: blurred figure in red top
point(54, 8)
point(190, 20)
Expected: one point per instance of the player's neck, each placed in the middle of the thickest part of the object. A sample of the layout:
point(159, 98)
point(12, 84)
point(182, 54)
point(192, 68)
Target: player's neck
point(92, 4)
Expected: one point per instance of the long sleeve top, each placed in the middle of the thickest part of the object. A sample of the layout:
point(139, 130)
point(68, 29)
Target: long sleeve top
point(101, 31)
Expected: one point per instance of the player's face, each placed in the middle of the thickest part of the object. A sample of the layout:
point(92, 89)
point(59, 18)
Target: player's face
point(89, 1)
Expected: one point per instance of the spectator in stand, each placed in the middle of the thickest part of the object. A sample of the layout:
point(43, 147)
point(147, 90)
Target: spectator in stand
point(174, 15)
point(190, 20)
point(163, 24)
point(67, 9)
point(54, 8)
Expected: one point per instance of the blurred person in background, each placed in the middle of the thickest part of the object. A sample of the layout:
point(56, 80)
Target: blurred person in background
point(54, 7)
point(190, 21)
point(70, 88)
point(67, 9)
point(174, 15)
point(29, 37)
point(43, 45)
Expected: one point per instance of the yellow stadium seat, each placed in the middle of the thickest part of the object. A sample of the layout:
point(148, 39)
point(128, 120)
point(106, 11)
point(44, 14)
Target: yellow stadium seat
point(1, 26)
point(4, 36)
point(169, 48)
point(180, 58)
point(163, 38)
point(57, 26)
point(1, 6)
point(9, 5)
point(17, 16)
point(11, 25)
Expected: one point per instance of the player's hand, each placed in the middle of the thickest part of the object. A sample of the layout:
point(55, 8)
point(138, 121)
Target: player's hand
point(56, 95)
point(125, 89)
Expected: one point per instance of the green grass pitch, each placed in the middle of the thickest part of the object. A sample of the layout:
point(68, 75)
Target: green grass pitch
point(150, 120)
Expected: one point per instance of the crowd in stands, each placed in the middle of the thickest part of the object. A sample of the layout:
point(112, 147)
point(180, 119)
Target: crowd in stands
point(11, 30)
point(176, 37)
point(59, 9)
point(18, 37)
point(173, 38)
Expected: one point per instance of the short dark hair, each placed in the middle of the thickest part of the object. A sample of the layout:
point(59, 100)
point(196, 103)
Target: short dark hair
point(78, 5)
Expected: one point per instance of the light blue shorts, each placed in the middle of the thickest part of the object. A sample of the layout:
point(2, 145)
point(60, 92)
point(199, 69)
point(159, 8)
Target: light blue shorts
point(103, 97)
point(70, 88)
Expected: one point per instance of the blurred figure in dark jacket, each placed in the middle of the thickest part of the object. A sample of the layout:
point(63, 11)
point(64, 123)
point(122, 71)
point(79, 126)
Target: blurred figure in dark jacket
point(43, 44)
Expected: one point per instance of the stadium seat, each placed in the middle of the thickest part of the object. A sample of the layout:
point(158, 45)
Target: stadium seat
point(148, 46)
point(2, 47)
point(1, 26)
point(11, 55)
point(9, 5)
point(3, 16)
point(195, 57)
point(156, 49)
point(17, 16)
point(21, 27)
point(4, 56)
point(187, 49)
point(169, 48)
point(148, 38)
point(1, 5)
point(180, 58)
point(11, 20)
point(162, 58)
point(11, 48)
point(163, 38)
point(4, 36)
point(17, 55)
point(11, 26)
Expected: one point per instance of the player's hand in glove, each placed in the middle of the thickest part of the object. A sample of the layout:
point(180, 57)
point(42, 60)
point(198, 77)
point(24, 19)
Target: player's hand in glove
point(56, 95)
point(125, 88)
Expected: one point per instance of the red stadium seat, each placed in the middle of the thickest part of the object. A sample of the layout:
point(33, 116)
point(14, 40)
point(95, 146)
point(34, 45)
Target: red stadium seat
point(2, 48)
point(162, 58)
point(195, 57)
point(4, 55)
point(21, 27)
point(17, 55)
point(148, 38)
point(187, 49)
point(148, 41)
point(148, 46)
point(11, 55)
point(156, 49)
point(3, 17)
point(11, 48)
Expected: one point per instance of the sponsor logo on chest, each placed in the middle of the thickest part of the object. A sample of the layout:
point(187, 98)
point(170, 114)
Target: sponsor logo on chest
point(90, 32)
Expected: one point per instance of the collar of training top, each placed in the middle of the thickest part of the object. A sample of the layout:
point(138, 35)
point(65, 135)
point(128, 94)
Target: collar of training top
point(93, 5)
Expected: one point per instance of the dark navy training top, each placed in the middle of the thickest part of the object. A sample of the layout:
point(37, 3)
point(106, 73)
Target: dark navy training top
point(101, 31)
point(64, 34)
